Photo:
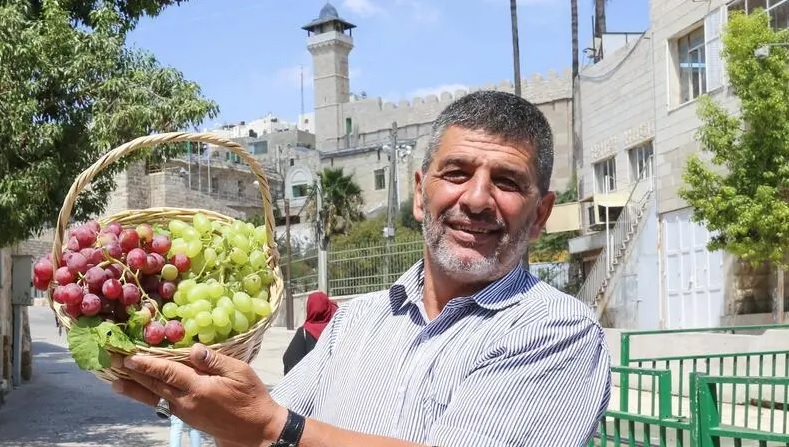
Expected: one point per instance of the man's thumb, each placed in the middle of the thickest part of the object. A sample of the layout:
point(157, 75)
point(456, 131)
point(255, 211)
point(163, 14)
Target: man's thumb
point(214, 363)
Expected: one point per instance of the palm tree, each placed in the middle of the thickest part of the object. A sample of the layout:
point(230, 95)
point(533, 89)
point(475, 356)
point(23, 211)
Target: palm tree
point(599, 26)
point(341, 204)
point(574, 28)
point(516, 51)
point(574, 31)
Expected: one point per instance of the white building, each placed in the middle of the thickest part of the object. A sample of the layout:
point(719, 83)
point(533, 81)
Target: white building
point(638, 124)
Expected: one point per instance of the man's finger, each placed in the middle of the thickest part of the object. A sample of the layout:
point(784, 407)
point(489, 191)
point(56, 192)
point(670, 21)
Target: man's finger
point(211, 362)
point(174, 374)
point(134, 390)
point(156, 387)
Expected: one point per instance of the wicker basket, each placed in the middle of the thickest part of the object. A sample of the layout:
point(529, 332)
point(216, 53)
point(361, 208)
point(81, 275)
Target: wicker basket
point(243, 346)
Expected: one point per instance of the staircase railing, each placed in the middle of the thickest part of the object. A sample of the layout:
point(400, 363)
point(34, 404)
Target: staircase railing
point(617, 237)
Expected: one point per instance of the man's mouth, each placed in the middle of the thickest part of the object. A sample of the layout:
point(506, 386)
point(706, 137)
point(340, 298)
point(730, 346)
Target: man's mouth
point(473, 229)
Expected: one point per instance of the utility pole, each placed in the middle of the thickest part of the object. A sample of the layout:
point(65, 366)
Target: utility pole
point(323, 255)
point(288, 286)
point(516, 52)
point(391, 212)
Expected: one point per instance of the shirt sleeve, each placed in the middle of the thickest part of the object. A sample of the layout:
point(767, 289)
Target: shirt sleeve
point(298, 389)
point(543, 385)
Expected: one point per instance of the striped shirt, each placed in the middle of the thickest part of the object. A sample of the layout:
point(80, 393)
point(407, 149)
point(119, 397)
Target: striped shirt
point(517, 364)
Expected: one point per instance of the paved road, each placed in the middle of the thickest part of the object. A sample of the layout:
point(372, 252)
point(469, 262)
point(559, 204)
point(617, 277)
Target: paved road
point(64, 406)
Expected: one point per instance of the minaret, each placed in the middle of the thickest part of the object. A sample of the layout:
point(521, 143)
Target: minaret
point(330, 41)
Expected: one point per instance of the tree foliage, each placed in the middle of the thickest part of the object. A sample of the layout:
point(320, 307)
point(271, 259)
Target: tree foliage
point(341, 205)
point(554, 247)
point(743, 195)
point(71, 91)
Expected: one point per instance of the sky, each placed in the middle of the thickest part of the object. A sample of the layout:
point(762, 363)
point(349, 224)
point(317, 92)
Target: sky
point(248, 55)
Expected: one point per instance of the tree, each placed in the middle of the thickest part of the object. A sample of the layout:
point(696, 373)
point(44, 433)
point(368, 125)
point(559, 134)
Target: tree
point(599, 26)
point(71, 91)
point(742, 193)
point(341, 204)
point(516, 50)
point(574, 36)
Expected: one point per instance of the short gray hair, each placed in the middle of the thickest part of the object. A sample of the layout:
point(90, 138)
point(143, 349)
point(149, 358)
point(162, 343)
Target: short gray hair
point(503, 115)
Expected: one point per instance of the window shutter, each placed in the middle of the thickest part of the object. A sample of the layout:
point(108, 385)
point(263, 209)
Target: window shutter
point(713, 26)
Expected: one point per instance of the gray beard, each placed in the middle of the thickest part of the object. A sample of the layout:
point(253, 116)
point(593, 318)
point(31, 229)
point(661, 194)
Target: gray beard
point(509, 249)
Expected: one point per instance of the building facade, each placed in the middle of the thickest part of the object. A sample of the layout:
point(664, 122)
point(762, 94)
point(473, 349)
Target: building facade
point(647, 264)
point(355, 131)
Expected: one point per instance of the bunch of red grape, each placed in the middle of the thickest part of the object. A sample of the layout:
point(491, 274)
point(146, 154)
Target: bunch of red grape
point(155, 276)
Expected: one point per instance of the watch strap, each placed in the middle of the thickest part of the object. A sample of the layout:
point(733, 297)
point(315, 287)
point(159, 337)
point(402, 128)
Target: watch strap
point(291, 433)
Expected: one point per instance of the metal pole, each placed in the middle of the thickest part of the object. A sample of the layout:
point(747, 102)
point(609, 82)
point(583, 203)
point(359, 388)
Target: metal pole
point(607, 241)
point(16, 345)
point(392, 205)
point(289, 317)
point(189, 161)
point(323, 257)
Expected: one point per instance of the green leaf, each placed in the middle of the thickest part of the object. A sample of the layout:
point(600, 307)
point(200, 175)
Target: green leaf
point(134, 326)
point(117, 338)
point(85, 348)
point(88, 341)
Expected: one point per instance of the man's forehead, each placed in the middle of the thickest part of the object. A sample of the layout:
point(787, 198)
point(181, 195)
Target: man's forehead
point(456, 135)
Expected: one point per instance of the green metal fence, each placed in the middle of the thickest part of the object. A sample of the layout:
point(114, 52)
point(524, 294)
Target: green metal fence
point(709, 420)
point(711, 399)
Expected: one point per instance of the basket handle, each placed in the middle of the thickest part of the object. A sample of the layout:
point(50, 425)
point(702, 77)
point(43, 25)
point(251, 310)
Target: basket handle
point(114, 155)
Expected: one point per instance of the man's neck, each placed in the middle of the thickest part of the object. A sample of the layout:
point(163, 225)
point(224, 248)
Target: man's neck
point(440, 288)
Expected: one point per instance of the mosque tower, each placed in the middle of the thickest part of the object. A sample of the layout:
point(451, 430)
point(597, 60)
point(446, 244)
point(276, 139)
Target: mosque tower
point(330, 41)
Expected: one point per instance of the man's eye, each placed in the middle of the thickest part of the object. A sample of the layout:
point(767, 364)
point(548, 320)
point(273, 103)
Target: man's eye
point(508, 184)
point(455, 176)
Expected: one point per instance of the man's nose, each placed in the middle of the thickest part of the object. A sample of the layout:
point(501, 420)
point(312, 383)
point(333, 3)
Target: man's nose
point(478, 197)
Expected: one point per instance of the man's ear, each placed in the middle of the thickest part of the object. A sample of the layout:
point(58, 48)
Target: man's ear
point(418, 206)
point(544, 209)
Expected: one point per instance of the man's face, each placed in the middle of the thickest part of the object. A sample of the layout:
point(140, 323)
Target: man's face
point(479, 204)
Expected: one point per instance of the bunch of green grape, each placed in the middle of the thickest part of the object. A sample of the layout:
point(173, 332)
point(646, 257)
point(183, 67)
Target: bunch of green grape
point(226, 290)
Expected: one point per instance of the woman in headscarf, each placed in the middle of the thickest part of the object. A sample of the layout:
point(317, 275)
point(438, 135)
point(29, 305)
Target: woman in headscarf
point(320, 310)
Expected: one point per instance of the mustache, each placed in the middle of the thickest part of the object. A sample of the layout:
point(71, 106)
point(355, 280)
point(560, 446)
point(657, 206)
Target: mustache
point(486, 219)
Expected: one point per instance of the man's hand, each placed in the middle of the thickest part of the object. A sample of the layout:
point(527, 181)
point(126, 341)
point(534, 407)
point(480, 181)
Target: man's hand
point(221, 396)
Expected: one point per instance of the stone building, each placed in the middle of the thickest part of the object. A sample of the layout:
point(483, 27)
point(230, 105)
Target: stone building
point(647, 262)
point(354, 131)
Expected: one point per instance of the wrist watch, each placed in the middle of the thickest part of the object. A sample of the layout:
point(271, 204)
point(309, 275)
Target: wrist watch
point(291, 433)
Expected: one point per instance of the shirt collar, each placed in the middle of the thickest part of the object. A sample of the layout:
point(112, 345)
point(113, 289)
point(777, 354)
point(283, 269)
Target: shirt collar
point(500, 294)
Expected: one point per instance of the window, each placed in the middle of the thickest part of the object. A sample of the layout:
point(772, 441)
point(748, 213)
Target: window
point(348, 126)
point(778, 10)
point(380, 179)
point(300, 190)
point(292, 161)
point(697, 58)
point(692, 69)
point(258, 147)
point(640, 161)
point(605, 175)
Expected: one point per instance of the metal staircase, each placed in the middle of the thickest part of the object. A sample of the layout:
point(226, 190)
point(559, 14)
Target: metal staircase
point(595, 290)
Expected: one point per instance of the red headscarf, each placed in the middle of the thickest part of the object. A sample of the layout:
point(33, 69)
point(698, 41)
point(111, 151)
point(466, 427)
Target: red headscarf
point(320, 310)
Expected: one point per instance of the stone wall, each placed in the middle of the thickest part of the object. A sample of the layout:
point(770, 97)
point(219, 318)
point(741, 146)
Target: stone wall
point(363, 162)
point(5, 321)
point(752, 288)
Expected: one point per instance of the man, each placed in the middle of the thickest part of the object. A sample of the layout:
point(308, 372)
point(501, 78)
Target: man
point(465, 349)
